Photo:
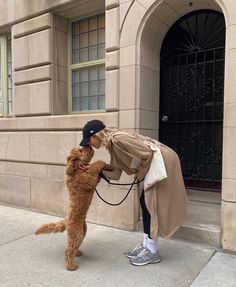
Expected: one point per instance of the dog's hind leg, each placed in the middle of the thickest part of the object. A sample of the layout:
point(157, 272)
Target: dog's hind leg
point(75, 237)
point(79, 252)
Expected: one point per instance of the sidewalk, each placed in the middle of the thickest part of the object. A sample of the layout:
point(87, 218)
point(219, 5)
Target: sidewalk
point(29, 260)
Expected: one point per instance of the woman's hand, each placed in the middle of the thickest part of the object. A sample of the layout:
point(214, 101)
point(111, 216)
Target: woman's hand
point(83, 166)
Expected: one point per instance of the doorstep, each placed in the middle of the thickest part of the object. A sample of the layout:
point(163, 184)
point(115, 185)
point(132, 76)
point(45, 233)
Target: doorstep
point(203, 218)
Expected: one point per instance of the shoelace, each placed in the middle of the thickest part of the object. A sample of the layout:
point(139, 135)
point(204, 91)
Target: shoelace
point(136, 248)
point(143, 252)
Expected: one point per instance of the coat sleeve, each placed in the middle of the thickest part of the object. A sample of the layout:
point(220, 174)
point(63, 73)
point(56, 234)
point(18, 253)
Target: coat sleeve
point(140, 153)
point(114, 174)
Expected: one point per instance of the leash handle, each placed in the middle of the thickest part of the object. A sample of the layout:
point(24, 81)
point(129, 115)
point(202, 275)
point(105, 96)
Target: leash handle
point(119, 203)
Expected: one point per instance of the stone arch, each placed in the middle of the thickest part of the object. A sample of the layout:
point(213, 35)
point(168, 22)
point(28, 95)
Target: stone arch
point(158, 19)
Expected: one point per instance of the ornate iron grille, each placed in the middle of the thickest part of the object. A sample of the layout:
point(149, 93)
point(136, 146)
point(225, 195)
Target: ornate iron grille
point(191, 101)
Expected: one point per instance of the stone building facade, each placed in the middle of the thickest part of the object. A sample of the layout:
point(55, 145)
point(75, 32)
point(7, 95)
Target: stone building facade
point(64, 62)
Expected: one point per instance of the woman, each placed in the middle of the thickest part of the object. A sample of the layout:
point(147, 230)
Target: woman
point(163, 200)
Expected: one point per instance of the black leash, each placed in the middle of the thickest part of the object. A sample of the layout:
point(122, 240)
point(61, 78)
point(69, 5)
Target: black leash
point(113, 183)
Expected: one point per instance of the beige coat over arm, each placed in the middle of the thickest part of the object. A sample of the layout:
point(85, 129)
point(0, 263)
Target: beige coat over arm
point(165, 200)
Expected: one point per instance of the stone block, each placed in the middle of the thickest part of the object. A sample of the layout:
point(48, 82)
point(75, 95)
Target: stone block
point(153, 34)
point(7, 9)
point(149, 89)
point(127, 87)
point(149, 59)
point(165, 13)
point(230, 76)
point(123, 9)
point(26, 169)
point(231, 37)
point(30, 123)
point(33, 75)
point(22, 100)
point(112, 90)
point(112, 60)
point(131, 25)
point(49, 196)
point(228, 189)
point(229, 157)
point(40, 98)
point(79, 120)
point(230, 114)
point(33, 25)
point(127, 119)
point(51, 147)
point(56, 172)
point(128, 56)
point(197, 5)
point(3, 144)
point(18, 146)
point(229, 11)
point(40, 48)
point(148, 119)
point(112, 29)
point(124, 216)
point(60, 48)
point(60, 23)
point(60, 73)
point(228, 223)
point(2, 166)
point(111, 4)
point(26, 8)
point(60, 97)
point(15, 190)
point(20, 47)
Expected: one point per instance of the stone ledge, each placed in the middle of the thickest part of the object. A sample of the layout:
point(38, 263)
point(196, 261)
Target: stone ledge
point(31, 26)
point(65, 122)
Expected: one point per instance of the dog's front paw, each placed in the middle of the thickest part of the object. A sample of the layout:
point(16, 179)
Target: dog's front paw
point(108, 167)
point(71, 266)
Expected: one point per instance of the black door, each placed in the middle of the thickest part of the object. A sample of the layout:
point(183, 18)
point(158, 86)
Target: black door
point(191, 96)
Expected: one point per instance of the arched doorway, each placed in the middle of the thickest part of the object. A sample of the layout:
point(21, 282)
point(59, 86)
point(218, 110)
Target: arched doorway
point(191, 96)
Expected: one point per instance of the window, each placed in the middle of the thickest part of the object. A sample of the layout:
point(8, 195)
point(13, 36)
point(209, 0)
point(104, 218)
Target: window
point(5, 76)
point(87, 64)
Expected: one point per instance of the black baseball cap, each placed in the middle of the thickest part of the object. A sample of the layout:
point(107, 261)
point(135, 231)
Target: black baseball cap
point(90, 129)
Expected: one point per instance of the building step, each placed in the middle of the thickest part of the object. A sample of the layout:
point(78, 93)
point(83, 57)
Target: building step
point(200, 233)
point(203, 220)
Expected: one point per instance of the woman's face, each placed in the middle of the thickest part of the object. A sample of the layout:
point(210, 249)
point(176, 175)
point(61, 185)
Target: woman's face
point(95, 141)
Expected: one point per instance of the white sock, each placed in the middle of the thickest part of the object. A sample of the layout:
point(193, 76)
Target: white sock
point(152, 245)
point(145, 239)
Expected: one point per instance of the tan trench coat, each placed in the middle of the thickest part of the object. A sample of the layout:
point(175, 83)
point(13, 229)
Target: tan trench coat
point(165, 200)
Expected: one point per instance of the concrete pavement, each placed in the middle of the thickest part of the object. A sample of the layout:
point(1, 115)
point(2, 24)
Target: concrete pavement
point(29, 260)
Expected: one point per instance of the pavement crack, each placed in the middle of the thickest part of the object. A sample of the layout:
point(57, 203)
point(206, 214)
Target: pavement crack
point(18, 238)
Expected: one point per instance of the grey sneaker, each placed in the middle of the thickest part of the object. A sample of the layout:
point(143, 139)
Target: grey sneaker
point(134, 253)
point(145, 257)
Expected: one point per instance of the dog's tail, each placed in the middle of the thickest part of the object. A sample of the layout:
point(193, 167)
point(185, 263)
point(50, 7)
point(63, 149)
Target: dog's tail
point(59, 226)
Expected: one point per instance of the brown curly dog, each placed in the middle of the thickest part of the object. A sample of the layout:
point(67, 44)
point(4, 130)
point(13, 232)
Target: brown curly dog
point(81, 185)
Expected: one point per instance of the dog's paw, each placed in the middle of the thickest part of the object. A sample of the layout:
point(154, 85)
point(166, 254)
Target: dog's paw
point(108, 167)
point(79, 253)
point(72, 267)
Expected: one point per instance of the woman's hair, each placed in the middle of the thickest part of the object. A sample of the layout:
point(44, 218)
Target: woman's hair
point(104, 134)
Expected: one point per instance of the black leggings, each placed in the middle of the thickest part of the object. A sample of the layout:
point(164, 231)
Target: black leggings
point(146, 215)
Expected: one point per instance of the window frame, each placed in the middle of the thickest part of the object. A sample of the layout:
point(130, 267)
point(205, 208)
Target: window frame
point(4, 75)
point(75, 67)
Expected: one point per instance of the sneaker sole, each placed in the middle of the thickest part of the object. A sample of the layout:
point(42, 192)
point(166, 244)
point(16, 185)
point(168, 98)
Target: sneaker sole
point(145, 263)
